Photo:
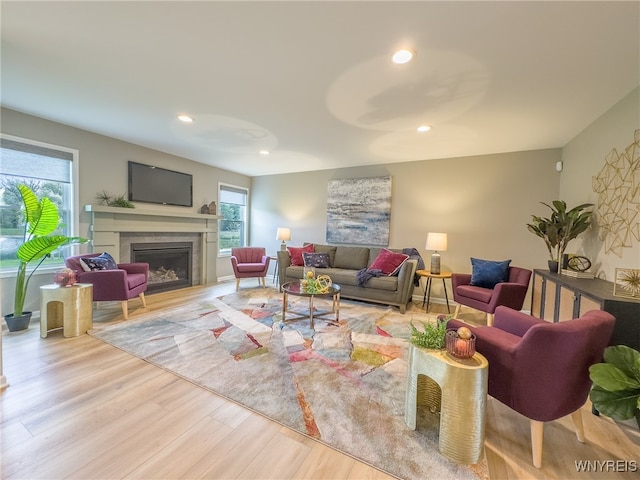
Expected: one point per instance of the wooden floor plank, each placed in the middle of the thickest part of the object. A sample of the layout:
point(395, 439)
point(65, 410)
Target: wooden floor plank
point(79, 408)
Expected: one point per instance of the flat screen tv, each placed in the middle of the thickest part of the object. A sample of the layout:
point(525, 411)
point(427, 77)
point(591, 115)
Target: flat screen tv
point(158, 185)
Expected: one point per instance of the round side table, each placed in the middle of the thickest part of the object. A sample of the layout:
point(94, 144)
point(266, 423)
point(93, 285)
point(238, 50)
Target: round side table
point(427, 291)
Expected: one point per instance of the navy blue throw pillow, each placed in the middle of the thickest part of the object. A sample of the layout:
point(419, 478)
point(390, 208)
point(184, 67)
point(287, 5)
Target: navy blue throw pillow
point(101, 262)
point(317, 260)
point(488, 273)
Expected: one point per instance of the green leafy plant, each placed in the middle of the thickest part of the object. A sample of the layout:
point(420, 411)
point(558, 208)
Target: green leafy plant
point(41, 220)
point(106, 198)
point(561, 227)
point(616, 383)
point(433, 335)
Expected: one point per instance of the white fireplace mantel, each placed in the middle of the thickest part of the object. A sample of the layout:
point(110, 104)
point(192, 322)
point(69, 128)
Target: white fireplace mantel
point(108, 223)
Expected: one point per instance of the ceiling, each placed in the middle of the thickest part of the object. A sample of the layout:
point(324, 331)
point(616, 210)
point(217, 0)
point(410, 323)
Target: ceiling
point(312, 82)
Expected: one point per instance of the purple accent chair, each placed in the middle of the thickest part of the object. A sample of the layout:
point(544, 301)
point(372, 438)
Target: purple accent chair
point(510, 293)
point(128, 281)
point(541, 369)
point(249, 262)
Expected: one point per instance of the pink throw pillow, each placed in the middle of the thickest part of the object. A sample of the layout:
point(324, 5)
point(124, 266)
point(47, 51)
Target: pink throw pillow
point(389, 262)
point(296, 254)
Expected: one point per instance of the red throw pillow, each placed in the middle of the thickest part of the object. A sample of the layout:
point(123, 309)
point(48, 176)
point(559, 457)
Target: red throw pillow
point(296, 254)
point(389, 262)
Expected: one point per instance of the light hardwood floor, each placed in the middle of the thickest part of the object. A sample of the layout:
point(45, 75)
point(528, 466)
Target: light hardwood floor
point(77, 408)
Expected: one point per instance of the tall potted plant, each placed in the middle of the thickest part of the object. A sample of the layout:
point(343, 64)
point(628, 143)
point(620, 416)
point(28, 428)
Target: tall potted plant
point(562, 226)
point(41, 220)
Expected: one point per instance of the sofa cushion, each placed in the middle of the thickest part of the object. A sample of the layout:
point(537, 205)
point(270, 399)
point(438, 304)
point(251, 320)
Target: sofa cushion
point(103, 261)
point(328, 249)
point(296, 253)
point(316, 260)
point(388, 262)
point(488, 273)
point(351, 258)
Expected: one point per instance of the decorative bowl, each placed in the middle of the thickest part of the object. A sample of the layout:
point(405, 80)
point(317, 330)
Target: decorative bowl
point(460, 347)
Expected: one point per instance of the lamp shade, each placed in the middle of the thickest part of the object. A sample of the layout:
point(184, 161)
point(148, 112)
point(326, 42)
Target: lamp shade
point(436, 241)
point(283, 234)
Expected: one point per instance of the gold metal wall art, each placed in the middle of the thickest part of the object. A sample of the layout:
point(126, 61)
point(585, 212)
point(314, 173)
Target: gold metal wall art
point(627, 282)
point(618, 189)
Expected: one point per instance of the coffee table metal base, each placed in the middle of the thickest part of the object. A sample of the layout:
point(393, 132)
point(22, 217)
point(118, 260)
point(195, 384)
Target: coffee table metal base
point(294, 288)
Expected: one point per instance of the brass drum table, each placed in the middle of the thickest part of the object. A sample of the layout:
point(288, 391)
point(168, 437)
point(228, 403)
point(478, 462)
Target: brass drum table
point(295, 288)
point(458, 387)
point(69, 308)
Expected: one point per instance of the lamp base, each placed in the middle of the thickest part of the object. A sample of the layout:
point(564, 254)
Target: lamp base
point(283, 246)
point(435, 264)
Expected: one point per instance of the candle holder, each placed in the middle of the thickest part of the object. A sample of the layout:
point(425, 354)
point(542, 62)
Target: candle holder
point(460, 347)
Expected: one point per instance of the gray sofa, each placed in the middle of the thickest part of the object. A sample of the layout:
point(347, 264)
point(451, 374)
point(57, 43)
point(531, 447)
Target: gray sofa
point(345, 262)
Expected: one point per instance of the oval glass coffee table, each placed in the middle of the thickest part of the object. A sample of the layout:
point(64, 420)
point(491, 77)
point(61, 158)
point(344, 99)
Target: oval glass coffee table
point(295, 288)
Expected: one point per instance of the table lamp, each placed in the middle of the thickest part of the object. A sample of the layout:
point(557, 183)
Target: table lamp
point(283, 234)
point(436, 242)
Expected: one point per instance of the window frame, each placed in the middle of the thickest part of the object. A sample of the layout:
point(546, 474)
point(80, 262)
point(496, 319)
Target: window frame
point(74, 213)
point(245, 239)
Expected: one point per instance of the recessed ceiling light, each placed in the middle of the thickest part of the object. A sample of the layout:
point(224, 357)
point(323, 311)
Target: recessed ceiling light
point(264, 152)
point(423, 128)
point(402, 56)
point(185, 118)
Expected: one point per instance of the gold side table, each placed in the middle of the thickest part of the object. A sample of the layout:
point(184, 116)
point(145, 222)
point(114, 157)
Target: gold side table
point(69, 308)
point(461, 398)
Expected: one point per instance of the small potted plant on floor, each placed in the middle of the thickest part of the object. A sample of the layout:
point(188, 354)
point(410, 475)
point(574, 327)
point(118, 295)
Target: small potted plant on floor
point(41, 219)
point(560, 228)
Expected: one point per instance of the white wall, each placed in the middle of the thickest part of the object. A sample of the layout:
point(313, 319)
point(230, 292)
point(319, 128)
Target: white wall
point(584, 157)
point(103, 166)
point(483, 203)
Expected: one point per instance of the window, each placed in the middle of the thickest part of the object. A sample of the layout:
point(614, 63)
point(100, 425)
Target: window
point(233, 206)
point(47, 170)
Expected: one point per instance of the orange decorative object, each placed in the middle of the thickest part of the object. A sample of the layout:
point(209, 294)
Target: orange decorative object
point(65, 277)
point(460, 347)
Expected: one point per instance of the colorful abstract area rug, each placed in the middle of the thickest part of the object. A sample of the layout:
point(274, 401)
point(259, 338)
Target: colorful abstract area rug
point(342, 383)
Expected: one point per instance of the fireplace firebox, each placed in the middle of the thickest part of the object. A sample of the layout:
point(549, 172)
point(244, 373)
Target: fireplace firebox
point(170, 264)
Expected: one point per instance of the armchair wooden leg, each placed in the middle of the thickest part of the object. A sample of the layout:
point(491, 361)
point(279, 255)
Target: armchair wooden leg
point(579, 426)
point(263, 284)
point(237, 284)
point(125, 309)
point(457, 312)
point(143, 300)
point(537, 432)
point(490, 319)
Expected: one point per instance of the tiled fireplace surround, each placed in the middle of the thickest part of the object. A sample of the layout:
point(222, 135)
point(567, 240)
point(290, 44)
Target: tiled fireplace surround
point(115, 229)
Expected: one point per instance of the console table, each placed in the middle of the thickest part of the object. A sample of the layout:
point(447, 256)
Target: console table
point(558, 297)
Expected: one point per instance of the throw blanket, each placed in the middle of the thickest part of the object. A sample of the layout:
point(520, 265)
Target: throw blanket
point(415, 255)
point(363, 276)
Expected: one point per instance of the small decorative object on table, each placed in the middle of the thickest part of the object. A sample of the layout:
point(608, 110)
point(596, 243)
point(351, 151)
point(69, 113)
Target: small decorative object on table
point(627, 282)
point(461, 343)
point(311, 284)
point(65, 277)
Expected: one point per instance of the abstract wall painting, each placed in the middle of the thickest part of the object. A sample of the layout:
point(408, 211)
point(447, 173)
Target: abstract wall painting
point(359, 211)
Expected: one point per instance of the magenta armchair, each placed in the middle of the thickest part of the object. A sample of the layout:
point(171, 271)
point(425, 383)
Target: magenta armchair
point(510, 293)
point(541, 369)
point(249, 262)
point(129, 280)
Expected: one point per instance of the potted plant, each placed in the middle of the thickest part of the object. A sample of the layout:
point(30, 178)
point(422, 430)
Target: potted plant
point(41, 220)
point(616, 383)
point(560, 228)
point(433, 335)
